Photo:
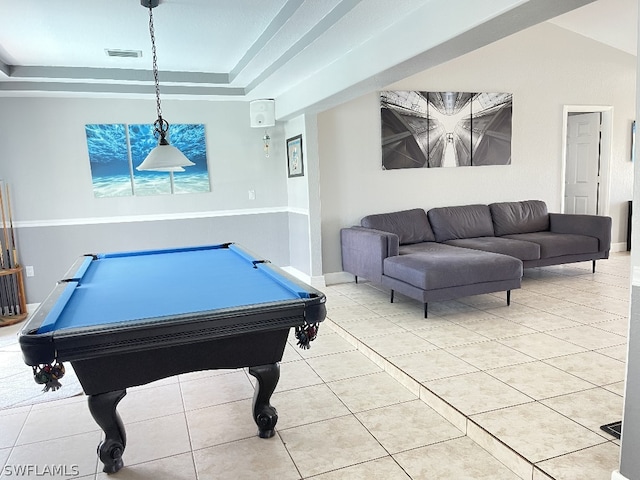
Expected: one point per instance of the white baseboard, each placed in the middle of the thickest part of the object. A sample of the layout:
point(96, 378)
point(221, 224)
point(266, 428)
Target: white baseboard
point(31, 307)
point(318, 282)
point(616, 475)
point(315, 282)
point(618, 247)
point(338, 277)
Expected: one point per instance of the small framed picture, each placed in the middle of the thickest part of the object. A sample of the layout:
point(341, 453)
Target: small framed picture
point(294, 156)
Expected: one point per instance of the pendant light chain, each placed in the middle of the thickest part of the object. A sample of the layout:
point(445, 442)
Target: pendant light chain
point(160, 127)
point(164, 157)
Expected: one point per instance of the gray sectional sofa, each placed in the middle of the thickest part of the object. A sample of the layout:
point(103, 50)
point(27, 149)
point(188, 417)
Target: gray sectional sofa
point(453, 252)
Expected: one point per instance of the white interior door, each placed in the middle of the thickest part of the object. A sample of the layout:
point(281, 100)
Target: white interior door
point(582, 173)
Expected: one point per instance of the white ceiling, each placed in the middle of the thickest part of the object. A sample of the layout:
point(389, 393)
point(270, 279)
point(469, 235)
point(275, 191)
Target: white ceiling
point(254, 48)
point(231, 44)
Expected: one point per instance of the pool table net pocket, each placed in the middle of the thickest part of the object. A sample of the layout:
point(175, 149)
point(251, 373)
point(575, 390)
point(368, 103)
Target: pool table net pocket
point(306, 334)
point(49, 375)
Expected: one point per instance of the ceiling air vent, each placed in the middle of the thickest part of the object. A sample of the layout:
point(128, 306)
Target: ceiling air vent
point(123, 53)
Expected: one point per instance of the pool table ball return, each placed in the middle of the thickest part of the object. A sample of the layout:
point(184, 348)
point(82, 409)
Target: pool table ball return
point(127, 319)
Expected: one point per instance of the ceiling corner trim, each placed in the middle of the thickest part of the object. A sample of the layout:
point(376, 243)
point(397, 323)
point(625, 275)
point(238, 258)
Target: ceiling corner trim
point(75, 74)
point(276, 24)
point(339, 11)
point(185, 91)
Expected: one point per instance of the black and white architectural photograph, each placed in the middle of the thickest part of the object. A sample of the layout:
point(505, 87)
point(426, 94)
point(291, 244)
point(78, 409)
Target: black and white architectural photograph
point(445, 129)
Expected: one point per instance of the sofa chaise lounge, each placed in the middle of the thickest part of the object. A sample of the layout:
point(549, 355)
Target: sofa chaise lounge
point(453, 252)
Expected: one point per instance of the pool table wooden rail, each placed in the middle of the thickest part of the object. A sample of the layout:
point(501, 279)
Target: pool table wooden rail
point(89, 342)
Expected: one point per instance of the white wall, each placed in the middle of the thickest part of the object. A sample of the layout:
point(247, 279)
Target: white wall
point(304, 202)
point(44, 158)
point(297, 187)
point(545, 67)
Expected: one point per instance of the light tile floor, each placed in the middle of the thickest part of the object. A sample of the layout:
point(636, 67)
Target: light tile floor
point(478, 390)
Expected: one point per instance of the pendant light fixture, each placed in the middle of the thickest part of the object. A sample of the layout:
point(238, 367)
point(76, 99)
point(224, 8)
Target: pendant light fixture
point(164, 157)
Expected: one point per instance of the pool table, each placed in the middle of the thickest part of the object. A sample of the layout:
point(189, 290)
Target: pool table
point(126, 319)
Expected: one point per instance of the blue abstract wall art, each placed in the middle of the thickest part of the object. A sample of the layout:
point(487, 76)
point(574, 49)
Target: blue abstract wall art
point(109, 160)
point(115, 150)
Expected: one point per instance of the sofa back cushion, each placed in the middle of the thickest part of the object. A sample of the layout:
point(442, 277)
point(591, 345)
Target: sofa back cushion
point(468, 221)
point(510, 218)
point(411, 226)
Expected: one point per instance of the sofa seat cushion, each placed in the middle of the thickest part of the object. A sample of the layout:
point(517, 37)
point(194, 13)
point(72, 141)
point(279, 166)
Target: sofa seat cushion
point(507, 246)
point(420, 248)
point(411, 226)
point(511, 218)
point(559, 244)
point(452, 267)
point(468, 221)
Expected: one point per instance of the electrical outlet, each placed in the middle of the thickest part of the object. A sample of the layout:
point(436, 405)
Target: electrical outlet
point(29, 270)
point(252, 194)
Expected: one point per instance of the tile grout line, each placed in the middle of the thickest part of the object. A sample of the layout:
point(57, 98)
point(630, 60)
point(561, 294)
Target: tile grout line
point(186, 421)
point(361, 345)
point(380, 360)
point(351, 413)
point(409, 382)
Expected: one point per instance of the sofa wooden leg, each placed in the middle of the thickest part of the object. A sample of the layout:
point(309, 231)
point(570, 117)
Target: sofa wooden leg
point(508, 297)
point(593, 267)
point(356, 278)
point(391, 296)
point(426, 305)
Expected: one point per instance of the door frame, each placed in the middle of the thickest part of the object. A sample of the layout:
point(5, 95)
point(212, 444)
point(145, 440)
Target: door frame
point(605, 151)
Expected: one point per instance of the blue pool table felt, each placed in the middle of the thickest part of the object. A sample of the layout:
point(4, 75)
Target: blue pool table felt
point(136, 286)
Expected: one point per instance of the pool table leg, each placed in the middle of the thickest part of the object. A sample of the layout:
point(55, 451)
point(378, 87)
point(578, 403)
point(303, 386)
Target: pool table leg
point(264, 414)
point(103, 409)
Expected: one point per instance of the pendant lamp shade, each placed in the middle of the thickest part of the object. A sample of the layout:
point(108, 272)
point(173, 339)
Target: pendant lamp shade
point(164, 157)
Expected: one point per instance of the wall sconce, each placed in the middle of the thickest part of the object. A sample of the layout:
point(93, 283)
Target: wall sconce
point(266, 139)
point(263, 114)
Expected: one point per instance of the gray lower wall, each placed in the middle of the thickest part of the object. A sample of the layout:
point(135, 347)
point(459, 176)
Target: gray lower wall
point(299, 252)
point(52, 249)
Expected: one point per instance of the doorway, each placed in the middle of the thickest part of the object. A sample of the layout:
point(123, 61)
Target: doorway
point(586, 159)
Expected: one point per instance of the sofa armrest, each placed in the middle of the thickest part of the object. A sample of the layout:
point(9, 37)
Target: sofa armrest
point(591, 225)
point(364, 250)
